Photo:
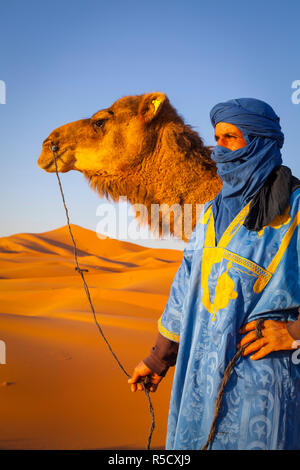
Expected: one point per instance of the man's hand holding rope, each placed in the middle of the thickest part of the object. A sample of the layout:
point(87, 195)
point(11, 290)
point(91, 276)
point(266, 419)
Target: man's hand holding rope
point(140, 373)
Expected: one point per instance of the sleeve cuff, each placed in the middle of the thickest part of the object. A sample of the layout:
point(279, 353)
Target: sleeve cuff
point(162, 356)
point(293, 328)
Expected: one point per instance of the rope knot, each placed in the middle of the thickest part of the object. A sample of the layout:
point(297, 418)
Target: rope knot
point(80, 270)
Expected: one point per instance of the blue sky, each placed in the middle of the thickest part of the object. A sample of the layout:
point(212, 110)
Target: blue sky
point(63, 60)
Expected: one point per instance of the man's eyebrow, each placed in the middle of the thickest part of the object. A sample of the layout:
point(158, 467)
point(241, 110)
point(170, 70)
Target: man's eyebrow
point(227, 134)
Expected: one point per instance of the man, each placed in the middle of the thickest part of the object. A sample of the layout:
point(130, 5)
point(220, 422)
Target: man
point(241, 264)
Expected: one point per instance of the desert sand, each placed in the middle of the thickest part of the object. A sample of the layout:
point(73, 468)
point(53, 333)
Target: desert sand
point(60, 387)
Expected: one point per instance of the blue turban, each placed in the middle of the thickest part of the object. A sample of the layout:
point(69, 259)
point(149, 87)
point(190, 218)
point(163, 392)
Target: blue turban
point(244, 171)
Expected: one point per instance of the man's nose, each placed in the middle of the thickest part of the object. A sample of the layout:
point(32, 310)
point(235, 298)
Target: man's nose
point(221, 141)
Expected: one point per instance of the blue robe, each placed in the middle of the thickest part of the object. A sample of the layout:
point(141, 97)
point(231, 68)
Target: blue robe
point(216, 290)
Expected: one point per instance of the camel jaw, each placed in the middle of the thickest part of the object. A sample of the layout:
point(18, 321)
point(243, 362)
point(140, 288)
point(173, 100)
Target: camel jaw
point(46, 161)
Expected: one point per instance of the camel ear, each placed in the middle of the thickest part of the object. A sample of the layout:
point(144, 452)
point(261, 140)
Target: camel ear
point(151, 105)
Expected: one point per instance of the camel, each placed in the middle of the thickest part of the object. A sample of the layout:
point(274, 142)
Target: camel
point(140, 148)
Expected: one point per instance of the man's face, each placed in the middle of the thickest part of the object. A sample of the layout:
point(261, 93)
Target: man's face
point(229, 136)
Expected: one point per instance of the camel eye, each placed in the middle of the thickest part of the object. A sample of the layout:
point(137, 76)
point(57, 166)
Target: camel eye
point(99, 123)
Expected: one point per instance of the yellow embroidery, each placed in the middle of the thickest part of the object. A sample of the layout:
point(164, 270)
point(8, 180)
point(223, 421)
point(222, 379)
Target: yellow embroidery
point(253, 267)
point(225, 286)
point(229, 232)
point(214, 254)
point(210, 233)
point(261, 282)
point(168, 334)
point(234, 227)
point(278, 221)
point(211, 256)
point(206, 216)
point(224, 291)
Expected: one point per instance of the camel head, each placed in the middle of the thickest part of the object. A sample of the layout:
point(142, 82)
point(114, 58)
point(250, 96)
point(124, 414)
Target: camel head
point(112, 140)
point(140, 148)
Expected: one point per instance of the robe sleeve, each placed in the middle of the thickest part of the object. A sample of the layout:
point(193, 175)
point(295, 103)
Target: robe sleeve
point(164, 353)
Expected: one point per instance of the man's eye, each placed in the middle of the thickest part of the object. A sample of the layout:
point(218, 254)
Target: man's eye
point(99, 123)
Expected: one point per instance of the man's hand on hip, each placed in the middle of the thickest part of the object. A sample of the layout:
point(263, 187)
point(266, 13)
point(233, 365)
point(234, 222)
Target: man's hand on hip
point(275, 337)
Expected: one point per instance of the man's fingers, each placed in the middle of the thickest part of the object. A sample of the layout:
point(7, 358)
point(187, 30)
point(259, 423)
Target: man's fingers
point(142, 377)
point(151, 387)
point(248, 327)
point(134, 378)
point(255, 346)
point(136, 382)
point(264, 351)
point(252, 325)
point(247, 339)
point(137, 376)
point(137, 386)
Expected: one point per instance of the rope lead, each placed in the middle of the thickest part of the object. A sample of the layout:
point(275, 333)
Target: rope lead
point(227, 373)
point(81, 271)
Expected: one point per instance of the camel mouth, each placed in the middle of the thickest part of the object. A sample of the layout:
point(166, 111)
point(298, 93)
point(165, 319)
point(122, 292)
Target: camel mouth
point(48, 163)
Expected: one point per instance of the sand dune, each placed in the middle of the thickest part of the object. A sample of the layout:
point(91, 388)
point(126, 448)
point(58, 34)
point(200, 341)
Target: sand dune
point(60, 387)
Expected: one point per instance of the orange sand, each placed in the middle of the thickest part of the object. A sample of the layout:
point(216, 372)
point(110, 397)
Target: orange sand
point(60, 387)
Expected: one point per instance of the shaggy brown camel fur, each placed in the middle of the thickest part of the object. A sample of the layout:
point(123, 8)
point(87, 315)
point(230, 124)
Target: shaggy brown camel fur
point(142, 149)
